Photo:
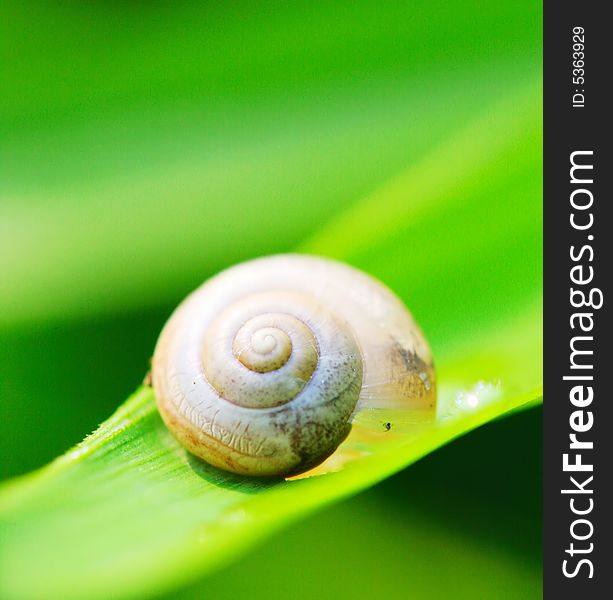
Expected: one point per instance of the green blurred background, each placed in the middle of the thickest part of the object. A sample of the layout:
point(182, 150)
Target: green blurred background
point(146, 145)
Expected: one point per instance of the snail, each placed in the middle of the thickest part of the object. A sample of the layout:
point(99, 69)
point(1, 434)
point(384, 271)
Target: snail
point(261, 369)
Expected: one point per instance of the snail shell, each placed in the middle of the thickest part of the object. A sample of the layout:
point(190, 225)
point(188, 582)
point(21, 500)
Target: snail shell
point(260, 370)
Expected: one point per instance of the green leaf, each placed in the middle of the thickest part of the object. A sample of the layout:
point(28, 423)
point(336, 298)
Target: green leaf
point(129, 512)
point(148, 146)
point(118, 231)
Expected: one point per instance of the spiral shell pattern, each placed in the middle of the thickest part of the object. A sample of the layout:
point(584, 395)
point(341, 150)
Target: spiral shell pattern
point(260, 370)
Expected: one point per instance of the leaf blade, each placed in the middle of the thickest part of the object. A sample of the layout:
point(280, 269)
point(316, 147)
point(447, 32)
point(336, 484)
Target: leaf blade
point(136, 514)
